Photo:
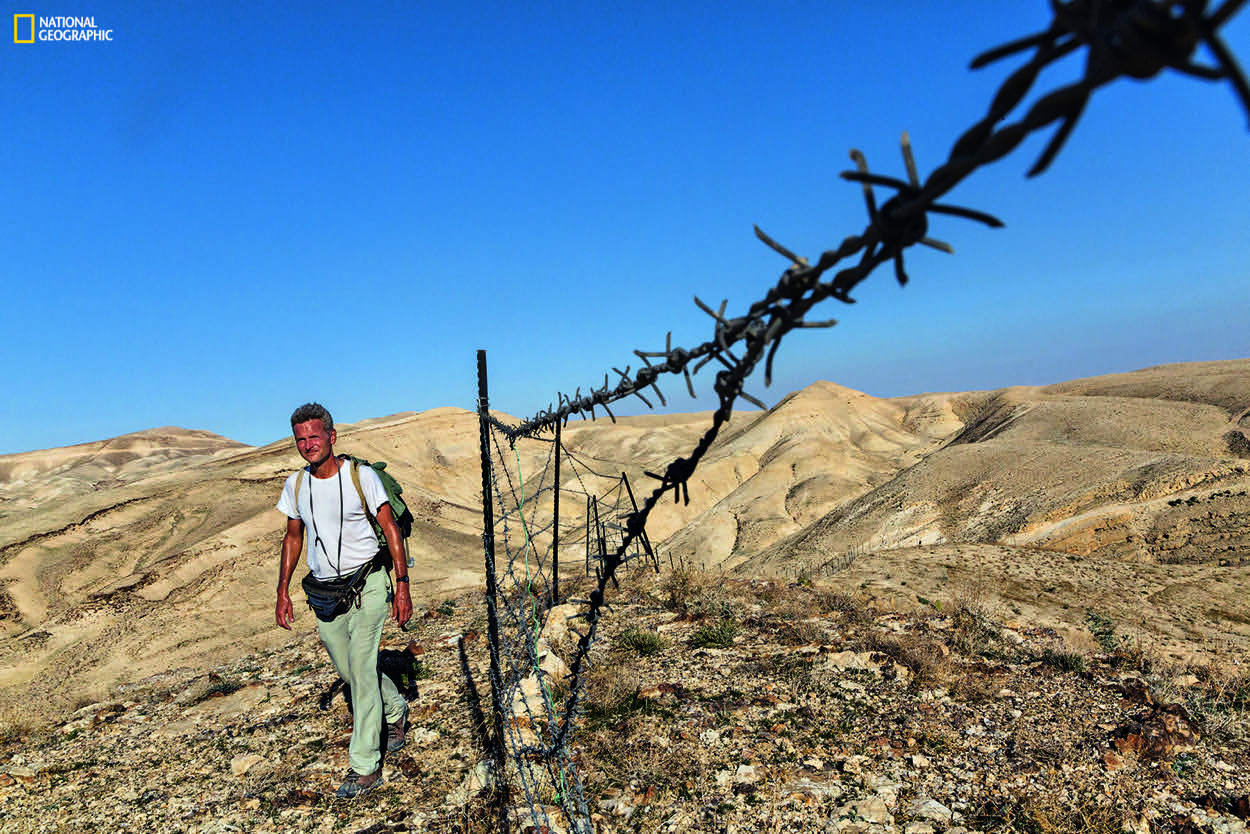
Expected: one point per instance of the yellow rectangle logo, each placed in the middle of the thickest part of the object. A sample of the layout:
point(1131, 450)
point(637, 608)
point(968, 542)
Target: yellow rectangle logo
point(17, 28)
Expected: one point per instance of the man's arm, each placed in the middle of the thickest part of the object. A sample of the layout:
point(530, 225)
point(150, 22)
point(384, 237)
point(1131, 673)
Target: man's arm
point(402, 607)
point(292, 544)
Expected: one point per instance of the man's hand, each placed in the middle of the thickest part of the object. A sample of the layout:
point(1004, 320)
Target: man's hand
point(284, 612)
point(401, 608)
point(292, 544)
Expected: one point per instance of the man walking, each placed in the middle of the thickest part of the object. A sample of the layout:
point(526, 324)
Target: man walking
point(344, 560)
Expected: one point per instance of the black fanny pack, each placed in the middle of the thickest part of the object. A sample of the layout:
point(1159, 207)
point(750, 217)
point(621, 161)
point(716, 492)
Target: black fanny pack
point(328, 598)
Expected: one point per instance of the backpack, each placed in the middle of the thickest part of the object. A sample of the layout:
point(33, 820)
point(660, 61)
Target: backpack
point(403, 516)
point(402, 666)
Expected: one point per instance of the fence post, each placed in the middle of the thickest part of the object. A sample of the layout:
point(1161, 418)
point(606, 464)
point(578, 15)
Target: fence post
point(642, 534)
point(492, 586)
point(600, 540)
point(555, 529)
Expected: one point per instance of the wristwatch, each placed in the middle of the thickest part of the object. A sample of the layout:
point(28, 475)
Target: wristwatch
point(402, 579)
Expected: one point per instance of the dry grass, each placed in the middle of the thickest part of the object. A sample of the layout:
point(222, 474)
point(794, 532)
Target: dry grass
point(683, 588)
point(697, 594)
point(17, 723)
point(1049, 813)
point(925, 657)
point(802, 632)
point(977, 620)
point(1217, 698)
point(611, 691)
point(1063, 659)
point(620, 744)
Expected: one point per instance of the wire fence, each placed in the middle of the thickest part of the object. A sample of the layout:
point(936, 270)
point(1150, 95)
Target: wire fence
point(536, 697)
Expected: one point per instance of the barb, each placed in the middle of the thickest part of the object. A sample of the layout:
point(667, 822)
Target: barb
point(1123, 38)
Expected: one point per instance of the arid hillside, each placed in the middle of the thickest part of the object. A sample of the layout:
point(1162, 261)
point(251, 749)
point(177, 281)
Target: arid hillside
point(1126, 493)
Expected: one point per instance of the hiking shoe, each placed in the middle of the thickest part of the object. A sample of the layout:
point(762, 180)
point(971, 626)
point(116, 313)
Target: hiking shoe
point(357, 783)
point(395, 737)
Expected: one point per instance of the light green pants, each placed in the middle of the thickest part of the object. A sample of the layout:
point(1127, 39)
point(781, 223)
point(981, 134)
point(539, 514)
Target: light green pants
point(352, 641)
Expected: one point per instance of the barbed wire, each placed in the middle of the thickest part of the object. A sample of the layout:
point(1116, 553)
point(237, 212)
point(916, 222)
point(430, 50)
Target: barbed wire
point(1136, 39)
point(1123, 39)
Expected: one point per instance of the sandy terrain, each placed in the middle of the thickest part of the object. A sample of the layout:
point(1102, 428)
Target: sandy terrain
point(1125, 495)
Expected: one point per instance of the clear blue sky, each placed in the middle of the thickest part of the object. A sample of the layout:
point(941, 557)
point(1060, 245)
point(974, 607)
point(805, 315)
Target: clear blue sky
point(230, 209)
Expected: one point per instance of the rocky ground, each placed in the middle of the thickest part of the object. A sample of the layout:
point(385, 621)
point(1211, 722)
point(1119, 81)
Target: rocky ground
point(713, 705)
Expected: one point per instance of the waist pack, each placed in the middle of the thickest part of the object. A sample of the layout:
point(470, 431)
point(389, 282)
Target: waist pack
point(328, 598)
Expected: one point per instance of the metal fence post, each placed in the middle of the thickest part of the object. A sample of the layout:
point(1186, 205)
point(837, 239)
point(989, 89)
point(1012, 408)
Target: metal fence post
point(555, 528)
point(492, 586)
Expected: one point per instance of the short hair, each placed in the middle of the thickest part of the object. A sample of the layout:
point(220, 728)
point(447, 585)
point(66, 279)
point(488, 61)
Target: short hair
point(313, 411)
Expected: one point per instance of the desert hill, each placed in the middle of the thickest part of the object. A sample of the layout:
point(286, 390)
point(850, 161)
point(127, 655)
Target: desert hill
point(34, 478)
point(1069, 464)
point(1125, 494)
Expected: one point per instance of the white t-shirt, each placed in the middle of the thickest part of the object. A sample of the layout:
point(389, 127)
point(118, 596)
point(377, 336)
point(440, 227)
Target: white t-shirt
point(324, 530)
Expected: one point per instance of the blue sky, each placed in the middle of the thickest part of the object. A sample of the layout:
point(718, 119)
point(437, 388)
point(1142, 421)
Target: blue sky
point(229, 209)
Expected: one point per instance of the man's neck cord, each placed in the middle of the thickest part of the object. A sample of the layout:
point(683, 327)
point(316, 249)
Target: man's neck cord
point(312, 510)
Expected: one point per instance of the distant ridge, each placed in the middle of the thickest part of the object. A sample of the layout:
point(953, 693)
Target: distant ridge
point(35, 477)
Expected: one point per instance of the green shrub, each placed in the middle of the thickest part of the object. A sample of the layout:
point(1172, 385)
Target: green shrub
point(1063, 660)
point(682, 587)
point(641, 641)
point(1103, 630)
point(718, 635)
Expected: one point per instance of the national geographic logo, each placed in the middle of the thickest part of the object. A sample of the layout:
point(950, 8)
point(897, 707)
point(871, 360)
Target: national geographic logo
point(23, 28)
point(57, 28)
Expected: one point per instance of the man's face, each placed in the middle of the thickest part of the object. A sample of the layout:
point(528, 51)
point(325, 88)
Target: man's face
point(315, 444)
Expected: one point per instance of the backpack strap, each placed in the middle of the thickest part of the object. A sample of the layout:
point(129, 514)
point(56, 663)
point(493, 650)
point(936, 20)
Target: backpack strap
point(354, 465)
point(355, 470)
point(299, 482)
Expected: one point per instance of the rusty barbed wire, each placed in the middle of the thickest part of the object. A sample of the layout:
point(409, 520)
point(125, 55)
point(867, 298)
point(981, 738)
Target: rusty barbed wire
point(1121, 39)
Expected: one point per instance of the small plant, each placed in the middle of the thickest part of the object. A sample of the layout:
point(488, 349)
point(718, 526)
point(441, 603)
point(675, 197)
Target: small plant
point(718, 635)
point(797, 671)
point(799, 632)
point(218, 686)
point(1063, 660)
point(1103, 630)
point(924, 657)
point(682, 587)
point(640, 640)
point(976, 628)
point(851, 609)
point(1184, 764)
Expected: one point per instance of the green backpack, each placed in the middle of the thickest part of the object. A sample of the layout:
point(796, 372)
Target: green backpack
point(394, 493)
